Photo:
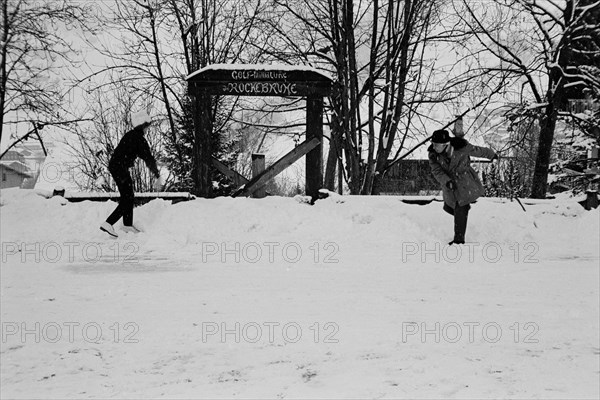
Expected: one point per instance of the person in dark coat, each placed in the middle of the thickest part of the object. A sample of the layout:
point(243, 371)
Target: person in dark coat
point(132, 145)
point(450, 162)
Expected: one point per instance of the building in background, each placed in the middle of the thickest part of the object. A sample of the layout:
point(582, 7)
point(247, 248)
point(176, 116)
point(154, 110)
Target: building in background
point(409, 177)
point(21, 166)
point(13, 171)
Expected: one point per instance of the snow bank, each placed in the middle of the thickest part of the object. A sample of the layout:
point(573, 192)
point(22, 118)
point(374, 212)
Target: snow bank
point(361, 222)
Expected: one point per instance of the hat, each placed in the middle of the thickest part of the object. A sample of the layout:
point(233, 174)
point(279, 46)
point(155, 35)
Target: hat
point(140, 118)
point(440, 136)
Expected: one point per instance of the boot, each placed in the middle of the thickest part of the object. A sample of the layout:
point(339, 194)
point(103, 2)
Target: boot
point(108, 228)
point(131, 229)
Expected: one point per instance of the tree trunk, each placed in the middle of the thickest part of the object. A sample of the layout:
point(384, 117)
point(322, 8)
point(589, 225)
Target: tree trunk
point(351, 88)
point(542, 162)
point(377, 179)
point(385, 146)
point(554, 97)
point(370, 173)
point(332, 161)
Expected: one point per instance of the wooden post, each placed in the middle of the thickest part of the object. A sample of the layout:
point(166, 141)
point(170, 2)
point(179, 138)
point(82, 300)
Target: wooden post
point(591, 200)
point(202, 145)
point(314, 159)
point(593, 156)
point(58, 191)
point(258, 166)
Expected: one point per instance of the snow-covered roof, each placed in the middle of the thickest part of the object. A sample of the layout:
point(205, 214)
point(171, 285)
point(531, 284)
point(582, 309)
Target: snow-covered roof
point(17, 167)
point(258, 67)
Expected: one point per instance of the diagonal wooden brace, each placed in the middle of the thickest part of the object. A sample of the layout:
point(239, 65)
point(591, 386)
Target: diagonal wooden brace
point(281, 164)
point(237, 178)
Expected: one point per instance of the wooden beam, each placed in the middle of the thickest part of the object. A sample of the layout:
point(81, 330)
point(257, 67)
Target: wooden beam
point(258, 167)
point(237, 178)
point(281, 164)
point(139, 197)
point(314, 159)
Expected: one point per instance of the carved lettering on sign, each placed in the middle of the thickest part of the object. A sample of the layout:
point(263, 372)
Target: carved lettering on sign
point(256, 75)
point(262, 88)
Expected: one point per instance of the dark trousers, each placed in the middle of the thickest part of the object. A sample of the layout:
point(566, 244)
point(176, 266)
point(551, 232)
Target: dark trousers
point(461, 214)
point(125, 207)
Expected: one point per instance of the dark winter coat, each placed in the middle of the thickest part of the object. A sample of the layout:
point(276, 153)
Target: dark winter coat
point(455, 165)
point(132, 145)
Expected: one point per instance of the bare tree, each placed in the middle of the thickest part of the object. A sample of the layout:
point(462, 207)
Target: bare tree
point(159, 43)
point(212, 32)
point(538, 46)
point(400, 52)
point(385, 81)
point(140, 58)
point(33, 53)
point(91, 145)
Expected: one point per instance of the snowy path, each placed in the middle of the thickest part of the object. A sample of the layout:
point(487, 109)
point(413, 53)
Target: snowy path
point(392, 318)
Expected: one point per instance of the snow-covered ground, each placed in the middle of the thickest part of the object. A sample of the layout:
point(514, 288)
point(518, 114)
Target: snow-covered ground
point(352, 297)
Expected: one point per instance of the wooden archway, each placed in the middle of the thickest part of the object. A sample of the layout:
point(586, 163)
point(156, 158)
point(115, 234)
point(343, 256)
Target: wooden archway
point(265, 80)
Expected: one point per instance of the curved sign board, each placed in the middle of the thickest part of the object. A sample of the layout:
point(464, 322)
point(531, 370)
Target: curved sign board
point(259, 80)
